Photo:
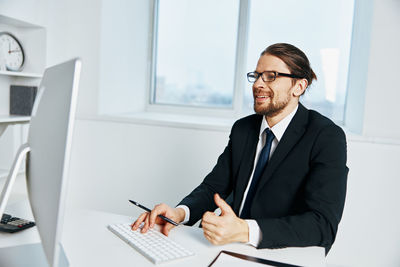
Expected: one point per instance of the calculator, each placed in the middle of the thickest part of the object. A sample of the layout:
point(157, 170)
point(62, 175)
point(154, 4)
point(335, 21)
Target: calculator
point(12, 224)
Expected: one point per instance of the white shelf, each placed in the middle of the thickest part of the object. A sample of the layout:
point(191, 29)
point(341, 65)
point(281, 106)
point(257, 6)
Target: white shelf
point(21, 74)
point(14, 118)
point(16, 22)
point(33, 40)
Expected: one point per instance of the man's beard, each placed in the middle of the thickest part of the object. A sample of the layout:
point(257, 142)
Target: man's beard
point(272, 108)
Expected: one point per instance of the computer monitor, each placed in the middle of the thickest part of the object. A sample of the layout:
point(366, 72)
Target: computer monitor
point(47, 164)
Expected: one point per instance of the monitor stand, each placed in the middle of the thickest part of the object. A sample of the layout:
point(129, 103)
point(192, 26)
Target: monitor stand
point(29, 255)
point(22, 151)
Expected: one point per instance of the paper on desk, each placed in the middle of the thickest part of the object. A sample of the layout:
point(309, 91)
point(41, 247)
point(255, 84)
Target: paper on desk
point(224, 260)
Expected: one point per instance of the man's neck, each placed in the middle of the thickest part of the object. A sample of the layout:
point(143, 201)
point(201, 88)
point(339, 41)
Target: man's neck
point(273, 120)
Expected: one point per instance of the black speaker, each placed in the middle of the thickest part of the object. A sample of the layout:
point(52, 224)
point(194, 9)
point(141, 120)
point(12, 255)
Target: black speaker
point(22, 99)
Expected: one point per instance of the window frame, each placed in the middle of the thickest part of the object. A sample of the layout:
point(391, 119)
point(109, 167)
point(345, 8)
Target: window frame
point(240, 84)
point(240, 58)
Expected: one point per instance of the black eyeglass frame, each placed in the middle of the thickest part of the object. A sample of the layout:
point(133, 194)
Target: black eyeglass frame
point(276, 74)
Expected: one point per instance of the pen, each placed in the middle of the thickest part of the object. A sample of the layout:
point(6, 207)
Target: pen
point(149, 210)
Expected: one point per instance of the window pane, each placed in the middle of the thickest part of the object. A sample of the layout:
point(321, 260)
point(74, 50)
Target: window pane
point(322, 29)
point(195, 54)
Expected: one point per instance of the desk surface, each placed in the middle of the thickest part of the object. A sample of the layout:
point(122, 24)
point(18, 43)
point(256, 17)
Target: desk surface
point(88, 242)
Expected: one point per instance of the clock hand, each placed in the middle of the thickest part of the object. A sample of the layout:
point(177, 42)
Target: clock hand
point(13, 51)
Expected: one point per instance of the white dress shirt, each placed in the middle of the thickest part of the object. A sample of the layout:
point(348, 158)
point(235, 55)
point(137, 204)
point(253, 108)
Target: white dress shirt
point(255, 234)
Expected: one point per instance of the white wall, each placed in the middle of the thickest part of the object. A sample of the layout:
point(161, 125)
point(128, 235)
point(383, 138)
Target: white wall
point(381, 116)
point(123, 55)
point(369, 233)
point(73, 29)
point(112, 162)
point(34, 11)
point(116, 161)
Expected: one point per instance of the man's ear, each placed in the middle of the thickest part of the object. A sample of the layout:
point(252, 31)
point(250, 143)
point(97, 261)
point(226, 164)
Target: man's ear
point(300, 87)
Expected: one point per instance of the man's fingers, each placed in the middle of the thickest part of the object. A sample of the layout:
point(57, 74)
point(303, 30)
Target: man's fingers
point(146, 225)
point(209, 227)
point(158, 209)
point(217, 234)
point(167, 227)
point(210, 236)
point(207, 237)
point(138, 221)
point(225, 208)
point(210, 217)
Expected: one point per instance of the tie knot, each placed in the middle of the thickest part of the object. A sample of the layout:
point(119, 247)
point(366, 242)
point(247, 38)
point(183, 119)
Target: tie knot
point(269, 136)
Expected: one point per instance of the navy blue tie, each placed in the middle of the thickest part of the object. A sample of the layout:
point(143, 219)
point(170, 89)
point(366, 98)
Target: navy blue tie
point(261, 164)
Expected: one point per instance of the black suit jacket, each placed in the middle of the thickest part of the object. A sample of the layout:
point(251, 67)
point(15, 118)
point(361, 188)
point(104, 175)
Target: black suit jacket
point(300, 197)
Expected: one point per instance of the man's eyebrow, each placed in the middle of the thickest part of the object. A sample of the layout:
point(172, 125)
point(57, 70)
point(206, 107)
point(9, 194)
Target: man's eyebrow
point(265, 71)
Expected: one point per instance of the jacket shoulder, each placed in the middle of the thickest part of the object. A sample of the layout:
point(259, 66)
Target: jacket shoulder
point(319, 122)
point(250, 120)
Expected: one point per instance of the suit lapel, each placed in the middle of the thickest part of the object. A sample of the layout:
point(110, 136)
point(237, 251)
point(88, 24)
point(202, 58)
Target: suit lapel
point(247, 162)
point(290, 138)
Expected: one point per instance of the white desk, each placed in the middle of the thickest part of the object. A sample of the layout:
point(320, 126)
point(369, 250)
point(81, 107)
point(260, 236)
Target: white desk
point(88, 242)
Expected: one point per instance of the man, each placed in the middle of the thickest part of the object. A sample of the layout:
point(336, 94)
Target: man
point(284, 166)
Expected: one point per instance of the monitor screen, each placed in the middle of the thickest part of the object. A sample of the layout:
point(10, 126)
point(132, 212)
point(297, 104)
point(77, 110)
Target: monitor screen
point(50, 136)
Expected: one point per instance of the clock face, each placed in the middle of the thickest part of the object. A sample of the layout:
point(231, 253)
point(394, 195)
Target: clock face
point(11, 52)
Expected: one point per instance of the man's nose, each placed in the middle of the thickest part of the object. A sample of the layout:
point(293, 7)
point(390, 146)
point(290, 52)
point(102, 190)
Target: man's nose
point(259, 83)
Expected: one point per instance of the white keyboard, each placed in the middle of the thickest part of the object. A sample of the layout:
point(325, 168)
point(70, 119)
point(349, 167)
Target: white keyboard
point(153, 245)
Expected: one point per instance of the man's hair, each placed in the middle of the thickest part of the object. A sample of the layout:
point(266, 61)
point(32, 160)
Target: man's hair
point(294, 58)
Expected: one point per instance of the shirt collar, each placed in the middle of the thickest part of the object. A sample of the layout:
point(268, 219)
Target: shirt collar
point(278, 129)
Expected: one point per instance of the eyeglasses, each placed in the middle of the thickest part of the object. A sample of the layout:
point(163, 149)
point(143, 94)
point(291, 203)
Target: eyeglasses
point(268, 76)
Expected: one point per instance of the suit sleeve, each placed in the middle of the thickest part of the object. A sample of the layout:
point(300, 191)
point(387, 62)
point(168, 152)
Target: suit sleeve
point(219, 180)
point(325, 191)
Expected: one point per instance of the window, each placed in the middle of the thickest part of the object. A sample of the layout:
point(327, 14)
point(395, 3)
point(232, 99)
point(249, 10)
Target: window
point(195, 52)
point(201, 46)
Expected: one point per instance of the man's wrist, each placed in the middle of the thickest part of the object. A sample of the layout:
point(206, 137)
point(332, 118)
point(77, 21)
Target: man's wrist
point(181, 214)
point(255, 234)
point(186, 213)
point(244, 237)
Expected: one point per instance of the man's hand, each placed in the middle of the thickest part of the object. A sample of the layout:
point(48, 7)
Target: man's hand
point(149, 219)
point(227, 227)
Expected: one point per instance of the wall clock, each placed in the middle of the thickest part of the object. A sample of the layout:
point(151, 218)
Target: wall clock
point(11, 53)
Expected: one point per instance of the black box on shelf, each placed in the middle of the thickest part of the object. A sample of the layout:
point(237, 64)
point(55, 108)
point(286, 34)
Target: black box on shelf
point(22, 99)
